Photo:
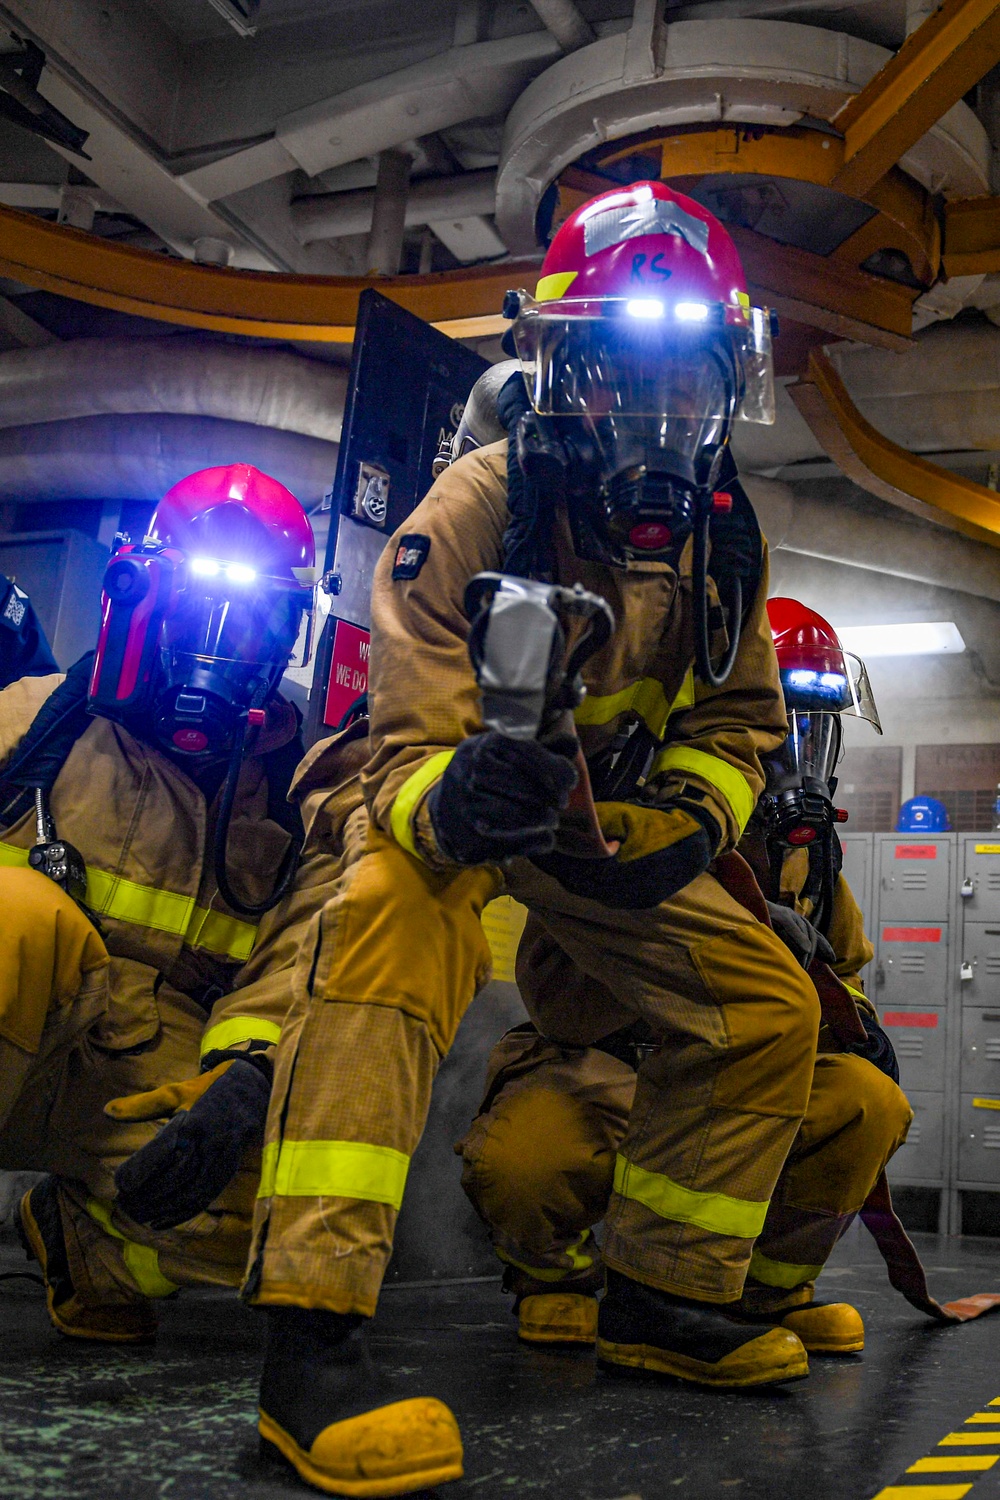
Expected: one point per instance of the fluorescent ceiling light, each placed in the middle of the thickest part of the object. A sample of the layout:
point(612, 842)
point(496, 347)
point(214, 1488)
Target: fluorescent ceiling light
point(921, 638)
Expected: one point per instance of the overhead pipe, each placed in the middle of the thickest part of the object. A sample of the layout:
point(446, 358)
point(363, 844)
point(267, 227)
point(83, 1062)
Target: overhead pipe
point(831, 530)
point(562, 18)
point(139, 457)
point(331, 216)
point(385, 242)
point(178, 375)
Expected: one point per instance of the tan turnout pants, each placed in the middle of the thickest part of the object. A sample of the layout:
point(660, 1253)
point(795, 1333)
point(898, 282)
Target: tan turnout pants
point(539, 1162)
point(391, 964)
point(55, 1079)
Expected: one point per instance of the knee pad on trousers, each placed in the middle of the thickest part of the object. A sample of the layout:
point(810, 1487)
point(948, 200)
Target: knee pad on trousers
point(49, 949)
point(539, 1166)
point(856, 1119)
point(771, 1018)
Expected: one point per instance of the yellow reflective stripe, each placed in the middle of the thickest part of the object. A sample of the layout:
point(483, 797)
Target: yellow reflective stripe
point(220, 934)
point(685, 696)
point(780, 1273)
point(580, 1262)
point(113, 896)
point(716, 1212)
point(141, 1260)
point(410, 794)
point(333, 1169)
point(858, 994)
point(239, 1029)
point(537, 1273)
point(575, 1253)
point(717, 772)
point(164, 911)
point(645, 697)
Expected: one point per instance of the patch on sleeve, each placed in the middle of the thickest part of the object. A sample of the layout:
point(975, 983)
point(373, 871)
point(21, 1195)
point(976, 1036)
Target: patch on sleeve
point(411, 554)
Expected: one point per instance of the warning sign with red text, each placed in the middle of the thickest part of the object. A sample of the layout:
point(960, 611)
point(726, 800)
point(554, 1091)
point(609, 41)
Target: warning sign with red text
point(348, 670)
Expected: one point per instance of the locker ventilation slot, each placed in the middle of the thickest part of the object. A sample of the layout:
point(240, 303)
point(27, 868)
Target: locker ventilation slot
point(993, 880)
point(909, 1046)
point(912, 963)
point(991, 1138)
point(992, 1048)
point(914, 880)
point(992, 965)
point(913, 1138)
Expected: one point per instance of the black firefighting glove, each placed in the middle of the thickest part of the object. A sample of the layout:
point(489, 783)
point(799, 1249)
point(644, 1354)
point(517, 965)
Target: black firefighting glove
point(211, 1121)
point(800, 936)
point(499, 797)
point(878, 1049)
point(661, 850)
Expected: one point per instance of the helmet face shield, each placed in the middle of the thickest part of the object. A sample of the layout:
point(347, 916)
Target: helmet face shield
point(809, 754)
point(838, 684)
point(642, 357)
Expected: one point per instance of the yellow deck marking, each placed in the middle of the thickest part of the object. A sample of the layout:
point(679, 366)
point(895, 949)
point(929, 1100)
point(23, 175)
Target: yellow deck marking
point(970, 1439)
point(994, 1402)
point(968, 1461)
point(984, 1416)
point(924, 1492)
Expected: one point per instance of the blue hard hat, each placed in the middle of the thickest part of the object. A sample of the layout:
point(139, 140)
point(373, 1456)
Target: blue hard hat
point(923, 815)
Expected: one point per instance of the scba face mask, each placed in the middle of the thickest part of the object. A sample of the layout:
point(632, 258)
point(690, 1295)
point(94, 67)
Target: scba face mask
point(639, 396)
point(200, 621)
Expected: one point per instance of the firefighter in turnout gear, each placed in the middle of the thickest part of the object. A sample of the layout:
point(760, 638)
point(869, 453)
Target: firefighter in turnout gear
point(638, 352)
point(540, 1161)
point(154, 903)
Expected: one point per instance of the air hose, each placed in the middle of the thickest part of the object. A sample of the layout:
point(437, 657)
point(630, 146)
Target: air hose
point(290, 861)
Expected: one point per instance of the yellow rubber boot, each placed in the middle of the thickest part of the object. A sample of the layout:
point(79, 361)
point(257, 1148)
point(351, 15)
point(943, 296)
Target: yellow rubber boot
point(410, 1445)
point(643, 1328)
point(319, 1408)
point(823, 1327)
point(40, 1230)
point(557, 1318)
point(827, 1327)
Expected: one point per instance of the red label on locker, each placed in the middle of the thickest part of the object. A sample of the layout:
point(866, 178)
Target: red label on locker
point(924, 1018)
point(911, 934)
point(348, 670)
point(916, 851)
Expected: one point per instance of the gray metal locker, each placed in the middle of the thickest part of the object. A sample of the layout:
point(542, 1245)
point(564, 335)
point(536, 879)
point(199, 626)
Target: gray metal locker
point(921, 1158)
point(859, 851)
point(980, 1051)
point(979, 878)
point(979, 1140)
point(980, 964)
point(919, 1038)
point(912, 964)
point(914, 876)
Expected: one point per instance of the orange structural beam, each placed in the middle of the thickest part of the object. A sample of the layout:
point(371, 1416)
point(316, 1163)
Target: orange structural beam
point(821, 292)
point(885, 469)
point(936, 65)
point(972, 236)
point(321, 309)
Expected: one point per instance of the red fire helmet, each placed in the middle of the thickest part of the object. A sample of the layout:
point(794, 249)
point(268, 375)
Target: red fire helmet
point(238, 514)
point(200, 620)
point(641, 294)
point(817, 674)
point(645, 240)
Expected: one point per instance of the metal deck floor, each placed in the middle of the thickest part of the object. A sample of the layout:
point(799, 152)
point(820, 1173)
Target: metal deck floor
point(177, 1420)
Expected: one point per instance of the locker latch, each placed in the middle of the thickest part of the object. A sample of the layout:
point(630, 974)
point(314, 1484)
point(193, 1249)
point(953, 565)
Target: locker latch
point(965, 972)
point(967, 889)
